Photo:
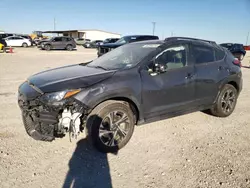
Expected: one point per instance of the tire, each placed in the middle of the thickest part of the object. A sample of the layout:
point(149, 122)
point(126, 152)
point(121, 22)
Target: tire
point(25, 45)
point(226, 101)
point(47, 47)
point(99, 120)
point(69, 47)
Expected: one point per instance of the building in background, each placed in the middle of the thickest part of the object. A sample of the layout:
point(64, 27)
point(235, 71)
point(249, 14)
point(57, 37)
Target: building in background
point(92, 34)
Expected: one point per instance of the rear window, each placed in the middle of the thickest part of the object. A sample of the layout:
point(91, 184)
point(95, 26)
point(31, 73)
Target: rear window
point(203, 54)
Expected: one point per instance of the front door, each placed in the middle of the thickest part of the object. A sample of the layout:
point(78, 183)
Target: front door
point(11, 41)
point(57, 43)
point(172, 89)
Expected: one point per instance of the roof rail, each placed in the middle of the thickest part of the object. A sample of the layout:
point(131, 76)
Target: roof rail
point(188, 38)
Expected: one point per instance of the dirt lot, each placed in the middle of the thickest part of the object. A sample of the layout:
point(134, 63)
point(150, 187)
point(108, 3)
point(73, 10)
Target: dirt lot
point(195, 150)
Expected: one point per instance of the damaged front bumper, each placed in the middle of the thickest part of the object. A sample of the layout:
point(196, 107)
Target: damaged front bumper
point(47, 121)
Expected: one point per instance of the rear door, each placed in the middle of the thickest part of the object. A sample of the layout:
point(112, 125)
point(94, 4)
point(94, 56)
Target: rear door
point(19, 41)
point(210, 69)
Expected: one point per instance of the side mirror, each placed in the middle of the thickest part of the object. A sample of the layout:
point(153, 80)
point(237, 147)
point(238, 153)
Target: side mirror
point(159, 68)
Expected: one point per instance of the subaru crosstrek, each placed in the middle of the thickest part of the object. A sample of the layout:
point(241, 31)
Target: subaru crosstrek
point(134, 84)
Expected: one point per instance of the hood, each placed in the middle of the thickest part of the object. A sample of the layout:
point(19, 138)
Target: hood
point(111, 45)
point(44, 40)
point(68, 77)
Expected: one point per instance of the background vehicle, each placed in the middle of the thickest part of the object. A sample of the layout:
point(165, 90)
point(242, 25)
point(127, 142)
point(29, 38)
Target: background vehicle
point(81, 41)
point(17, 41)
point(39, 42)
point(247, 48)
point(104, 48)
point(236, 49)
point(109, 40)
point(92, 44)
point(4, 35)
point(27, 37)
point(38, 35)
point(54, 43)
point(3, 44)
point(163, 79)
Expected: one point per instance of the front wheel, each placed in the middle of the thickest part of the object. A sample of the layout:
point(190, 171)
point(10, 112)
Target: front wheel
point(226, 101)
point(47, 47)
point(110, 126)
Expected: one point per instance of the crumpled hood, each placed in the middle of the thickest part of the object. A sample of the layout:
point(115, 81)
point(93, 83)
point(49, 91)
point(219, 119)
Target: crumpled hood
point(68, 77)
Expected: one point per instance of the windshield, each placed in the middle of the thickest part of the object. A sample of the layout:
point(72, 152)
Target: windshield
point(122, 40)
point(123, 57)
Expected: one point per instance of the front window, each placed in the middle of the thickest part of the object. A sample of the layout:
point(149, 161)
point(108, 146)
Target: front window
point(123, 57)
point(58, 39)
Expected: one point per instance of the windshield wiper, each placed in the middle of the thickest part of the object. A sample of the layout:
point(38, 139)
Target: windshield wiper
point(98, 67)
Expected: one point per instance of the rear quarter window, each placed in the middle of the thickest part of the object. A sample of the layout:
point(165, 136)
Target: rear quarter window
point(219, 54)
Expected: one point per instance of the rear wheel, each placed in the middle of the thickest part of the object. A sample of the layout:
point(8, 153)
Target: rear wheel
point(69, 47)
point(47, 47)
point(25, 45)
point(226, 101)
point(110, 126)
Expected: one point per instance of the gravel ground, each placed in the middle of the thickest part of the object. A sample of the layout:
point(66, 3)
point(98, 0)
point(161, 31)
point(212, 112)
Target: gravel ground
point(194, 150)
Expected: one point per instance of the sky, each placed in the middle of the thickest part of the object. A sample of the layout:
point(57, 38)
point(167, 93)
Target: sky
point(218, 20)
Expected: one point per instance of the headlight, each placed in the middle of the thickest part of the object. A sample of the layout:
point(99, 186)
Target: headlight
point(58, 96)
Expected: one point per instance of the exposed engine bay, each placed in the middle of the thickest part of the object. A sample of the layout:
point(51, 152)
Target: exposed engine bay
point(46, 125)
point(46, 121)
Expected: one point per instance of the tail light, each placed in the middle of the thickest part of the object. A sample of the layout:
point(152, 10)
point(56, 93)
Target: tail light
point(237, 62)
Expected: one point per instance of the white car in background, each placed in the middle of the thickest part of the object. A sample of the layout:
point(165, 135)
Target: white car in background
point(17, 41)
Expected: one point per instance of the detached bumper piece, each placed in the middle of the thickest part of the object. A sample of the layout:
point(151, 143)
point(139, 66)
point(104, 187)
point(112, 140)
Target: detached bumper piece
point(37, 129)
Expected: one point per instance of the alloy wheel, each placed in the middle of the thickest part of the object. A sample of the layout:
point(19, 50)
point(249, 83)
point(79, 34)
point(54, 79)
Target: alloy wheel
point(114, 128)
point(228, 101)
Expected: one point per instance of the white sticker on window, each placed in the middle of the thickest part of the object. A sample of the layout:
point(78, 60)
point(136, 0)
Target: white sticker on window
point(151, 45)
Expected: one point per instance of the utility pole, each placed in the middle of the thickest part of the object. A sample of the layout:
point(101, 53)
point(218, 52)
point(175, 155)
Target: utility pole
point(247, 37)
point(153, 27)
point(54, 23)
point(172, 33)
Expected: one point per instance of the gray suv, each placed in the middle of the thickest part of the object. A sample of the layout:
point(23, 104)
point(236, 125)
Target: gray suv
point(57, 43)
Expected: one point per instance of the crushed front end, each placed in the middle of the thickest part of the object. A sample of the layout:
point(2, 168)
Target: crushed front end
point(44, 119)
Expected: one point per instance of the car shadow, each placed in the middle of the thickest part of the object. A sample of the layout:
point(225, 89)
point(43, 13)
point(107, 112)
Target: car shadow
point(88, 168)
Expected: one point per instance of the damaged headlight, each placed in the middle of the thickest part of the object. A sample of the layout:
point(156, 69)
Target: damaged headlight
point(58, 96)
